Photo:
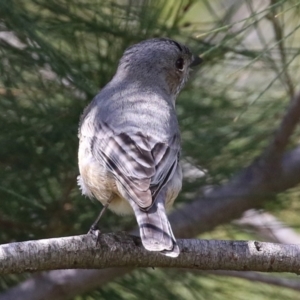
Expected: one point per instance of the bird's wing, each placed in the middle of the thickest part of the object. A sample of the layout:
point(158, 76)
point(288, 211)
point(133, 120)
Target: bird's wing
point(141, 165)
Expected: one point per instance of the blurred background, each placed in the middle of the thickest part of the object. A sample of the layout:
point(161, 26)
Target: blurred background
point(54, 58)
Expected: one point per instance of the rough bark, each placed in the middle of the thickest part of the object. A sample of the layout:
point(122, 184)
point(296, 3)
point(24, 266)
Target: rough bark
point(123, 250)
point(268, 228)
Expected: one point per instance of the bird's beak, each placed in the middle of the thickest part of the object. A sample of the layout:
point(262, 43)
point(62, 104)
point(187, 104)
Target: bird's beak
point(196, 61)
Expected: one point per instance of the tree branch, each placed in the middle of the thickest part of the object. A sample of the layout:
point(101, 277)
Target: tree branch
point(249, 189)
point(269, 228)
point(284, 132)
point(122, 250)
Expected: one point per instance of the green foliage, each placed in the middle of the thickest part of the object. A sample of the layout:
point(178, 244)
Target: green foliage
point(56, 55)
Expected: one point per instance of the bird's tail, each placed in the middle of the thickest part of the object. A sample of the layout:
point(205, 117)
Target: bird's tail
point(155, 229)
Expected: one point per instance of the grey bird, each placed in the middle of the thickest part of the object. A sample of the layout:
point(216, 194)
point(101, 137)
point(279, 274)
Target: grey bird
point(129, 145)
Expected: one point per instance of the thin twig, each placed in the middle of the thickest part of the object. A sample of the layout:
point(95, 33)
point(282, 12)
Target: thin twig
point(279, 36)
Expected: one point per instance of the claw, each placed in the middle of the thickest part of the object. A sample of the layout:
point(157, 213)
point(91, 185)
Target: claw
point(94, 230)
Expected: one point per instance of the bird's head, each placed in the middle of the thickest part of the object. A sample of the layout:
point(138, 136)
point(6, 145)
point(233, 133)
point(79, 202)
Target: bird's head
point(159, 61)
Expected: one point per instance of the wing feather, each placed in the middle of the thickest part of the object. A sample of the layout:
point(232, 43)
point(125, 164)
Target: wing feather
point(139, 163)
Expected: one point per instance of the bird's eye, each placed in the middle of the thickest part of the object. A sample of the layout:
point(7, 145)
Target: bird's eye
point(179, 63)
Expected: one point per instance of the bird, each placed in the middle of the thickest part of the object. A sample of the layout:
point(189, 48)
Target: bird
point(129, 139)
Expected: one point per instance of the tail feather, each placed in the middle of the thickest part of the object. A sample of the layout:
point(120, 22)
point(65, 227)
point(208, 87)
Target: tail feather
point(155, 229)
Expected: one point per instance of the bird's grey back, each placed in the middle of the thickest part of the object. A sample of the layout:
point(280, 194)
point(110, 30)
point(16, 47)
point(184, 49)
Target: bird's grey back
point(119, 101)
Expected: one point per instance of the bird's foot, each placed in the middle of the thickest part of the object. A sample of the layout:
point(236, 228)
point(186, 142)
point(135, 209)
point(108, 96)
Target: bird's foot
point(94, 230)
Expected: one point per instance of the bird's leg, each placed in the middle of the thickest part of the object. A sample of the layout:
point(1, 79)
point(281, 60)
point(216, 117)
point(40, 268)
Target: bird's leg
point(94, 226)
